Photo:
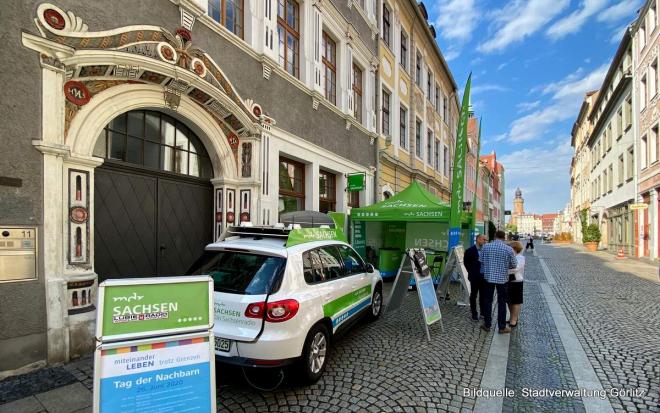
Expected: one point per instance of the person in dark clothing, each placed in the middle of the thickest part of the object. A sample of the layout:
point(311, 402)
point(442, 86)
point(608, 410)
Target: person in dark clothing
point(475, 275)
point(530, 243)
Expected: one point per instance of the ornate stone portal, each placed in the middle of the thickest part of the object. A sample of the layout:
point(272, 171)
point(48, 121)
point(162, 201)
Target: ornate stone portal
point(88, 79)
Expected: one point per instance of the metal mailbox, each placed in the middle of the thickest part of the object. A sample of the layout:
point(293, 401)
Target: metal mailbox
point(18, 253)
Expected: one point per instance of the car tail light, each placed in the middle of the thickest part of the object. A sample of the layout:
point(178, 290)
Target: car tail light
point(283, 310)
point(255, 310)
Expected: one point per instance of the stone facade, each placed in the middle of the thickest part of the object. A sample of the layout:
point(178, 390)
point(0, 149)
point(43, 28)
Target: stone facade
point(646, 45)
point(83, 65)
point(415, 87)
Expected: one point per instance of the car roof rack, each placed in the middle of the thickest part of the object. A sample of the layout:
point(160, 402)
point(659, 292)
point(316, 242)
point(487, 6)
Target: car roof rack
point(292, 234)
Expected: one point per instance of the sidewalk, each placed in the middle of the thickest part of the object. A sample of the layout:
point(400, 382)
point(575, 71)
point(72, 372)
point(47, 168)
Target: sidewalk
point(633, 265)
point(59, 389)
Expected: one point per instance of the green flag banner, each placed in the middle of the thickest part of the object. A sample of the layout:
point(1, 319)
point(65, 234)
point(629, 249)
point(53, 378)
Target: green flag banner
point(458, 177)
point(476, 185)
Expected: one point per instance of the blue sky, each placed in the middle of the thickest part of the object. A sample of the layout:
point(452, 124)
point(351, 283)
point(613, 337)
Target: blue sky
point(532, 61)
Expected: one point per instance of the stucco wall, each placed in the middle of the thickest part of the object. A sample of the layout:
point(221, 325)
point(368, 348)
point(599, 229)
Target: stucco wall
point(22, 304)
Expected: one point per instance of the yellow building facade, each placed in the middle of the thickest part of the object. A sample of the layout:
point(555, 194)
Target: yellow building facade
point(417, 101)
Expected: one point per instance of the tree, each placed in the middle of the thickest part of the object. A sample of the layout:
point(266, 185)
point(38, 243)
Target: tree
point(511, 228)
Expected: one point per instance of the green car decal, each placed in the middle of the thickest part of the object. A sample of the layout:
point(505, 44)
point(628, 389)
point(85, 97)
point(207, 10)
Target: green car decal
point(361, 297)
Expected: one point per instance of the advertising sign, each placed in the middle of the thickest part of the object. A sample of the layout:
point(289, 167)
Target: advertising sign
point(300, 236)
point(356, 182)
point(426, 235)
point(359, 238)
point(165, 374)
point(637, 206)
point(426, 289)
point(142, 307)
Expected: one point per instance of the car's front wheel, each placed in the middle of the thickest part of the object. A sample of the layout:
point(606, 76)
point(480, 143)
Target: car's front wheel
point(376, 303)
point(315, 354)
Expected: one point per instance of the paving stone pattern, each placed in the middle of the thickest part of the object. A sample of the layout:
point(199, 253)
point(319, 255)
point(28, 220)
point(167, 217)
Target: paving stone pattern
point(386, 366)
point(616, 317)
point(18, 387)
point(537, 359)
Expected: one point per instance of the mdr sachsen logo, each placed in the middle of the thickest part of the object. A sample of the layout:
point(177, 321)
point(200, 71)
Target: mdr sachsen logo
point(131, 310)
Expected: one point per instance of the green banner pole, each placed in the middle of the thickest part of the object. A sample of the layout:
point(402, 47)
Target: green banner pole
point(458, 177)
point(476, 188)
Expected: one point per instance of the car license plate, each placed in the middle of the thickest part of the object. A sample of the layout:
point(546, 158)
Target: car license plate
point(222, 344)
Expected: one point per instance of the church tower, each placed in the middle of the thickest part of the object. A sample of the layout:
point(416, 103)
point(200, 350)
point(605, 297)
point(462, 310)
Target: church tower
point(518, 206)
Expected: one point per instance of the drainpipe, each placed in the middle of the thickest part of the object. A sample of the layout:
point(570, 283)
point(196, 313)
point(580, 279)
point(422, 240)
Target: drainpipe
point(377, 107)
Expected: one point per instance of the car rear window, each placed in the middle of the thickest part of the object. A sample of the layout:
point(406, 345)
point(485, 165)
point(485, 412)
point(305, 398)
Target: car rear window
point(241, 272)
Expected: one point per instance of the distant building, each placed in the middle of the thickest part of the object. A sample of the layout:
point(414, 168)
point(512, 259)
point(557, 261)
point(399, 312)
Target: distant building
point(548, 223)
point(496, 201)
point(612, 148)
point(645, 78)
point(581, 165)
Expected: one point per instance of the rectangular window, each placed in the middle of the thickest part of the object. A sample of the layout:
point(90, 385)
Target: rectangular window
point(386, 113)
point(354, 199)
point(228, 13)
point(642, 37)
point(642, 93)
point(429, 82)
point(610, 178)
point(429, 143)
point(437, 155)
point(630, 163)
point(653, 79)
point(403, 128)
point(445, 161)
point(292, 186)
point(609, 136)
point(652, 17)
point(628, 112)
point(357, 93)
point(620, 171)
point(437, 99)
point(288, 21)
point(619, 124)
point(654, 145)
point(644, 156)
point(386, 25)
point(418, 138)
point(329, 60)
point(418, 70)
point(327, 192)
point(404, 50)
point(444, 108)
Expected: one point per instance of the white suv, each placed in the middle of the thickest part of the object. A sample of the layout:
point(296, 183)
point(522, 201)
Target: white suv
point(277, 302)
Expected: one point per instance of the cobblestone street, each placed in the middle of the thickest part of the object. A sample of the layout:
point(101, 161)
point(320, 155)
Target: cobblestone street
point(389, 366)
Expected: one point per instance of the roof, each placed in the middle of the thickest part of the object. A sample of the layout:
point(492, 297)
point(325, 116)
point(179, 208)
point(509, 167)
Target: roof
point(412, 204)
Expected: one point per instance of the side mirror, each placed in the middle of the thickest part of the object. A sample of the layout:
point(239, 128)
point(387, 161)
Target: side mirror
point(370, 268)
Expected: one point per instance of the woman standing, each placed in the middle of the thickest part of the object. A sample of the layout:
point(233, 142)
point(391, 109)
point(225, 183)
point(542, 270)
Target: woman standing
point(515, 285)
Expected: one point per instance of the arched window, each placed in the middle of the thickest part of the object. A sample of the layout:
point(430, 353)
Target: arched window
point(156, 141)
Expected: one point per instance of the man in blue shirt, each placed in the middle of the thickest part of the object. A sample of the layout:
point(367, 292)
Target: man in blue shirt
point(497, 259)
point(472, 262)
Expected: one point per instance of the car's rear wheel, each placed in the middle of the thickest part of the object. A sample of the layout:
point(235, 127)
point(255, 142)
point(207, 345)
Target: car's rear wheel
point(376, 303)
point(315, 353)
